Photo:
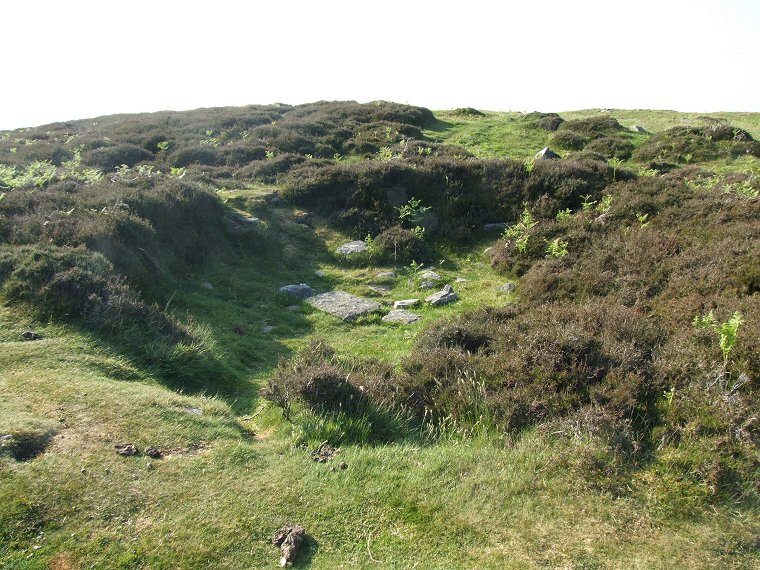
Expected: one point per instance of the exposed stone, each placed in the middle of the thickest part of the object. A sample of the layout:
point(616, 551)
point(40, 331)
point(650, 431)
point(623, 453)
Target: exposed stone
point(194, 411)
point(250, 220)
point(319, 273)
point(30, 335)
point(352, 247)
point(325, 453)
point(545, 154)
point(401, 316)
point(460, 280)
point(125, 449)
point(430, 275)
point(266, 329)
point(447, 295)
point(386, 275)
point(207, 285)
point(427, 285)
point(343, 305)
point(153, 453)
point(405, 303)
point(495, 226)
point(301, 290)
point(639, 129)
point(507, 288)
point(380, 289)
point(293, 308)
point(289, 539)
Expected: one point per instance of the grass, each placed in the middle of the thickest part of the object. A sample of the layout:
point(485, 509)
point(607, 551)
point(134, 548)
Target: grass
point(233, 472)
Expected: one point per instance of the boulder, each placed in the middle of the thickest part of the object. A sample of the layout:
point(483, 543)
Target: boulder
point(443, 297)
point(507, 288)
point(30, 335)
point(430, 275)
point(546, 154)
point(343, 305)
point(427, 285)
point(289, 539)
point(386, 275)
point(639, 129)
point(405, 303)
point(380, 289)
point(302, 290)
point(352, 247)
point(401, 316)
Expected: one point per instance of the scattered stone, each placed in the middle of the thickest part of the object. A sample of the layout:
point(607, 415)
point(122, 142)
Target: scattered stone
point(250, 220)
point(207, 285)
point(302, 290)
point(125, 449)
point(319, 273)
point(289, 539)
point(430, 275)
point(443, 297)
point(266, 329)
point(639, 129)
point(401, 316)
point(380, 289)
point(30, 335)
point(460, 280)
point(194, 411)
point(546, 154)
point(352, 247)
point(325, 452)
point(293, 308)
point(495, 226)
point(507, 288)
point(405, 303)
point(386, 275)
point(343, 305)
point(427, 285)
point(153, 453)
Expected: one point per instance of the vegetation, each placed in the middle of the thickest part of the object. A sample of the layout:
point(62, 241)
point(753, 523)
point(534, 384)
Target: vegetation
point(603, 414)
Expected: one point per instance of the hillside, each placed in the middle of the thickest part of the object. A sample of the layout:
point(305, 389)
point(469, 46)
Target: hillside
point(589, 399)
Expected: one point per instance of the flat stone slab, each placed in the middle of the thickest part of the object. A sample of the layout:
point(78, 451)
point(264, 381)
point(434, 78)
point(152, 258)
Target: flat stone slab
point(401, 316)
point(447, 295)
point(405, 303)
point(352, 247)
point(302, 290)
point(343, 305)
point(430, 275)
point(380, 289)
point(427, 285)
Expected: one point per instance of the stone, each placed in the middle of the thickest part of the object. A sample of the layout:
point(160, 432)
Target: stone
point(289, 539)
point(250, 220)
point(207, 285)
point(293, 308)
point(302, 290)
point(546, 154)
point(30, 335)
point(639, 129)
point(343, 305)
point(401, 316)
point(507, 288)
point(126, 449)
point(352, 247)
point(427, 285)
point(266, 329)
point(386, 275)
point(443, 297)
point(325, 453)
point(319, 273)
point(405, 303)
point(153, 453)
point(495, 226)
point(430, 275)
point(194, 411)
point(380, 289)
point(460, 280)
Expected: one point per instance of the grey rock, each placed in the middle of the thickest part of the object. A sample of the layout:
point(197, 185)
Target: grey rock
point(507, 288)
point(293, 308)
point(405, 303)
point(546, 154)
point(401, 316)
point(266, 329)
point(495, 226)
point(443, 297)
point(430, 275)
point(319, 273)
point(460, 280)
point(194, 411)
point(427, 285)
point(302, 290)
point(207, 285)
point(386, 275)
point(380, 289)
point(639, 129)
point(30, 335)
point(126, 449)
point(250, 220)
point(352, 247)
point(343, 305)
point(289, 539)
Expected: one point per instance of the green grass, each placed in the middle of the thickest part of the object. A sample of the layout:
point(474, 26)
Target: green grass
point(234, 474)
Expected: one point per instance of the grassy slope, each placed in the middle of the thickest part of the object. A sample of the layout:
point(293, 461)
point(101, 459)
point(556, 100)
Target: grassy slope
point(216, 499)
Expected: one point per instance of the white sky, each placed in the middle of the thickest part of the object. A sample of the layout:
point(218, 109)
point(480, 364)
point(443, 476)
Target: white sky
point(69, 59)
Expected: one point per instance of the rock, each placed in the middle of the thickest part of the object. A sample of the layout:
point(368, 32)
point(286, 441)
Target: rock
point(405, 303)
point(430, 275)
point(443, 297)
point(427, 285)
point(125, 449)
point(495, 226)
point(302, 290)
point(507, 288)
point(207, 285)
point(250, 220)
point(386, 275)
point(194, 411)
point(153, 453)
point(289, 539)
point(352, 247)
point(319, 273)
point(325, 453)
point(266, 329)
point(293, 308)
point(343, 305)
point(639, 129)
point(379, 289)
point(460, 280)
point(401, 316)
point(274, 197)
point(545, 154)
point(30, 335)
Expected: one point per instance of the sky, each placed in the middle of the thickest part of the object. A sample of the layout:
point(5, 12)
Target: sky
point(72, 59)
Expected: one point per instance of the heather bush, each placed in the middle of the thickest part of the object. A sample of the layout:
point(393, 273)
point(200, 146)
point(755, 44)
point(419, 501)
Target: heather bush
point(568, 140)
point(400, 245)
point(683, 145)
point(593, 127)
point(111, 157)
point(184, 157)
point(611, 147)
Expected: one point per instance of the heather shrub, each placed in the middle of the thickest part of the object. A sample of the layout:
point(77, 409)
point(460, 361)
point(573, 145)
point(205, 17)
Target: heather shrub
point(467, 112)
point(611, 147)
point(593, 127)
point(111, 157)
point(568, 140)
point(683, 145)
point(184, 157)
point(399, 245)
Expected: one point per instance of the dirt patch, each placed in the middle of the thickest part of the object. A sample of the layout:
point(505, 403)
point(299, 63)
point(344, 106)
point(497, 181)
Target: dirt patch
point(62, 561)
